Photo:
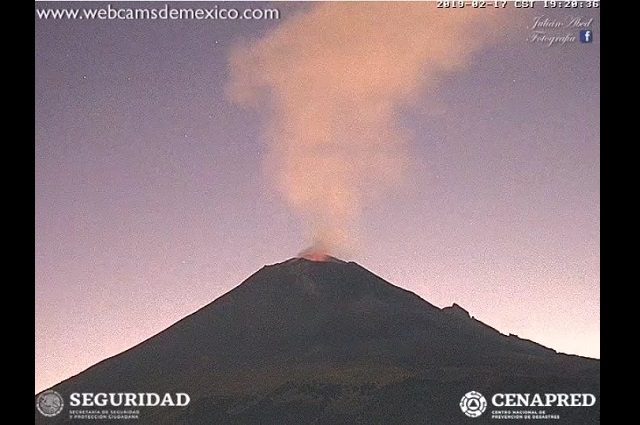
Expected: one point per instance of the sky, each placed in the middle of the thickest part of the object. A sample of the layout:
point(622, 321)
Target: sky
point(455, 155)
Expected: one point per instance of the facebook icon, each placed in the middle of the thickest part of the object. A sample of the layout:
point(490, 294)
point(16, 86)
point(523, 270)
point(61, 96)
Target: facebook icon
point(586, 36)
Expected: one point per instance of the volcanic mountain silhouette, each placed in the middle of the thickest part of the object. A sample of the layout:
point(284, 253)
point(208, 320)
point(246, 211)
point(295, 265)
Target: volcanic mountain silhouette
point(329, 342)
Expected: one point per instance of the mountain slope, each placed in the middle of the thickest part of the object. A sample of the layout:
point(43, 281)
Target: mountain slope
point(328, 342)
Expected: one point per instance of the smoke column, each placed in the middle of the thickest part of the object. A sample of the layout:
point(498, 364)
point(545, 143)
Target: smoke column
point(329, 81)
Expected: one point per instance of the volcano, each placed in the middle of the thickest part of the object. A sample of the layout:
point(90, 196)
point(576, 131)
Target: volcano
point(328, 342)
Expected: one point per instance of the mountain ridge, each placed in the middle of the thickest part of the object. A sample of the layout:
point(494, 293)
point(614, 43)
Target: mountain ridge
point(320, 324)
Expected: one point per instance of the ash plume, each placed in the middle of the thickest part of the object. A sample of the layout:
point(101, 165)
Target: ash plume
point(328, 83)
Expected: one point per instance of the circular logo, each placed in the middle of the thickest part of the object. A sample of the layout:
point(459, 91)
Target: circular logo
point(49, 403)
point(473, 404)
